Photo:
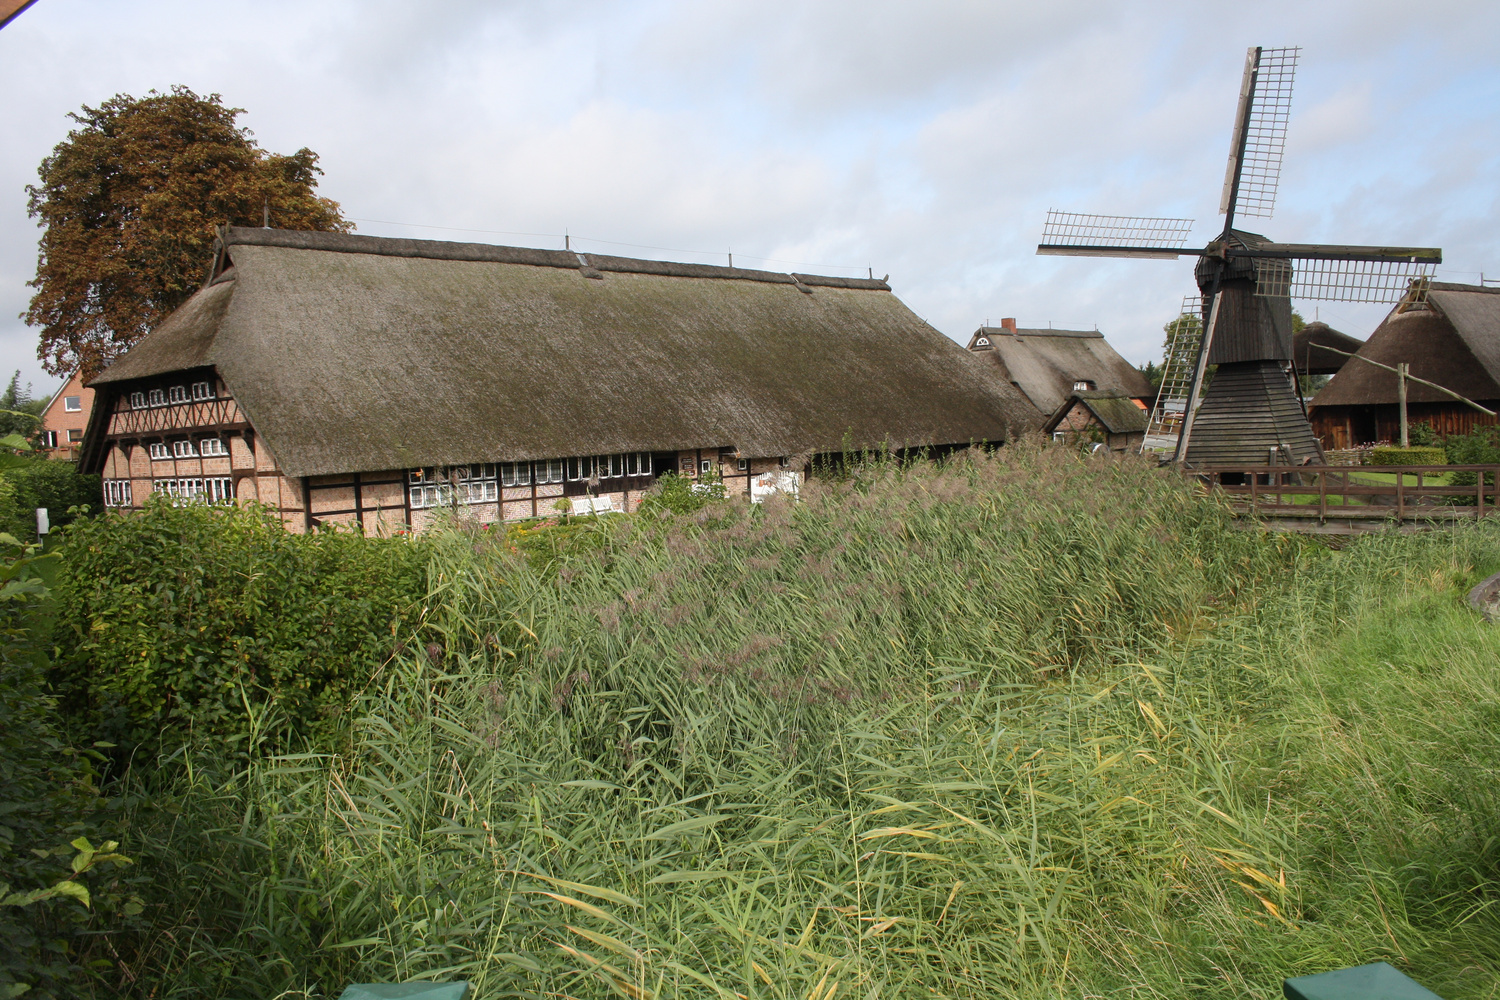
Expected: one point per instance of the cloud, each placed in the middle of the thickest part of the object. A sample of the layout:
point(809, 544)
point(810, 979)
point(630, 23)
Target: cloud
point(927, 140)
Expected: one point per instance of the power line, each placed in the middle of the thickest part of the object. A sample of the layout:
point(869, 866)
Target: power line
point(613, 243)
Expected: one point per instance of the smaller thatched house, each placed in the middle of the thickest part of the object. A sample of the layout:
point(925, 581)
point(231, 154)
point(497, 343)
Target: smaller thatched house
point(1450, 336)
point(1117, 422)
point(343, 379)
point(1050, 365)
point(1308, 349)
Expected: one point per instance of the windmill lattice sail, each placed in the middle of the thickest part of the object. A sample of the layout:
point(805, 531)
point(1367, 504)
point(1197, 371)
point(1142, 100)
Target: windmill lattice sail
point(1378, 281)
point(1081, 234)
point(1183, 338)
point(1267, 89)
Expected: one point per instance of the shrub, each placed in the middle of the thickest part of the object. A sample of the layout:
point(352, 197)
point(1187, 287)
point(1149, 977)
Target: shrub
point(208, 617)
point(1415, 455)
point(676, 494)
point(1422, 435)
point(48, 797)
point(1481, 447)
point(40, 482)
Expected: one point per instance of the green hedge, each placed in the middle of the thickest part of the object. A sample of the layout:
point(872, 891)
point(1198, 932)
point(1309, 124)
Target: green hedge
point(1415, 455)
point(218, 620)
point(38, 482)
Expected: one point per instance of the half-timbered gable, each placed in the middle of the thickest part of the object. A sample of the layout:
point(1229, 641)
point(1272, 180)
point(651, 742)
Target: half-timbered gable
point(340, 378)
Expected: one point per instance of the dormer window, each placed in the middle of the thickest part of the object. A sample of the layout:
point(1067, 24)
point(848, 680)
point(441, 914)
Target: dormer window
point(982, 342)
point(1083, 385)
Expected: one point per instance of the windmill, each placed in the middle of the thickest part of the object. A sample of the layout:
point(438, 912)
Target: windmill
point(1251, 412)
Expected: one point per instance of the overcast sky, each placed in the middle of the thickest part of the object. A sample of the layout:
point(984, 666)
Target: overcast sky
point(923, 139)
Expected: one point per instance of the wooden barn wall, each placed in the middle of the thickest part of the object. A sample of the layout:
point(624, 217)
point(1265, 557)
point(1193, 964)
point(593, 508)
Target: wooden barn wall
point(1351, 426)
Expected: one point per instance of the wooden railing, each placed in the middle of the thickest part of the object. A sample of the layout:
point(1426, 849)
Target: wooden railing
point(1356, 492)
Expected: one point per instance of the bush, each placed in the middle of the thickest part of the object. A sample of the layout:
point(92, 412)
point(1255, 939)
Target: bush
point(208, 617)
point(48, 797)
point(1422, 435)
point(1415, 455)
point(1481, 447)
point(674, 494)
point(40, 482)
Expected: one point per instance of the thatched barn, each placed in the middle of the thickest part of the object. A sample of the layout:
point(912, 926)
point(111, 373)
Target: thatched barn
point(1450, 336)
point(1049, 365)
point(1308, 352)
point(1114, 421)
point(340, 378)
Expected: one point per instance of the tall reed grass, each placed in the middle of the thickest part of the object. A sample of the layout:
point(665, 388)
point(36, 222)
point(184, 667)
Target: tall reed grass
point(1020, 725)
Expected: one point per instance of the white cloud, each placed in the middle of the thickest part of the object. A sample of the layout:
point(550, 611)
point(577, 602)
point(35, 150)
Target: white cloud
point(926, 140)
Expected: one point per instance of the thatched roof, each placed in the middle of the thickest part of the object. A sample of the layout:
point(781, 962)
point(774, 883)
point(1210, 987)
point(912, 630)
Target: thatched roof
point(1116, 414)
point(1312, 361)
point(1045, 364)
point(353, 353)
point(1454, 340)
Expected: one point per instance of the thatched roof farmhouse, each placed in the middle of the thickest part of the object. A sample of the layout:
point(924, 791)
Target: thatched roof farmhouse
point(1049, 365)
point(378, 376)
point(1450, 336)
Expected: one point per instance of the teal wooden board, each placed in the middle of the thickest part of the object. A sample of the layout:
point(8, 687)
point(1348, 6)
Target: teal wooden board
point(1376, 981)
point(405, 991)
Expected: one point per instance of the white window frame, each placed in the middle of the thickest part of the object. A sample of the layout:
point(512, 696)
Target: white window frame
point(742, 464)
point(202, 390)
point(137, 400)
point(705, 467)
point(212, 447)
point(549, 471)
point(184, 449)
point(159, 451)
point(581, 468)
point(217, 489)
point(117, 493)
point(177, 394)
point(515, 473)
point(73, 404)
point(156, 397)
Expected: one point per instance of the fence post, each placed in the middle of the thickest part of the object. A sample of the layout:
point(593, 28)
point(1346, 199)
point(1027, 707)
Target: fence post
point(1401, 494)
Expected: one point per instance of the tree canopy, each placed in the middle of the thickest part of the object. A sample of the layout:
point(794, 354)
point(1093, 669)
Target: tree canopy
point(128, 203)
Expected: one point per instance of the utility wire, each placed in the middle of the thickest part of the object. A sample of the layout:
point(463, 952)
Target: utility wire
point(613, 243)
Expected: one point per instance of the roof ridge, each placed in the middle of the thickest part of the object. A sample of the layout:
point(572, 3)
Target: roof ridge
point(387, 246)
point(1455, 286)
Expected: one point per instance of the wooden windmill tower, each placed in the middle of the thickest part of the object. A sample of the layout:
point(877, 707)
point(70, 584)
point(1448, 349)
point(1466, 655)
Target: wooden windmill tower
point(1251, 412)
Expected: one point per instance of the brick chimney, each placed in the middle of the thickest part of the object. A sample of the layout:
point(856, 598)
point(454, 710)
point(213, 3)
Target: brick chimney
point(1008, 323)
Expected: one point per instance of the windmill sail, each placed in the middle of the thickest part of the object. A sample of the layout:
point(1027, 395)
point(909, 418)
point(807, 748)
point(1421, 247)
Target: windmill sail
point(1078, 234)
point(1258, 142)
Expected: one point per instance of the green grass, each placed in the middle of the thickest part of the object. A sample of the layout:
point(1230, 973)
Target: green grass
point(1018, 726)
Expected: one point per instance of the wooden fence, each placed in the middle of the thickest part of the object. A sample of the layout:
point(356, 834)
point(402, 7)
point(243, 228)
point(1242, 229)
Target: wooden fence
point(1356, 497)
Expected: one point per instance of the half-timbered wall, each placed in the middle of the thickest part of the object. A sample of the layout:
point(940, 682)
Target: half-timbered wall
point(159, 438)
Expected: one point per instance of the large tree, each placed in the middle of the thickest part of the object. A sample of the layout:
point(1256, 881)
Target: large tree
point(128, 204)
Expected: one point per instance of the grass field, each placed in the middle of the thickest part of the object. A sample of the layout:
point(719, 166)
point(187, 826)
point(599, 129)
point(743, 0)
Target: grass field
point(1016, 726)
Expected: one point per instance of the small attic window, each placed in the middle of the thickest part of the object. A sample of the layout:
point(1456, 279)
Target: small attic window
point(203, 390)
point(1084, 385)
point(137, 400)
point(177, 394)
point(73, 404)
point(982, 342)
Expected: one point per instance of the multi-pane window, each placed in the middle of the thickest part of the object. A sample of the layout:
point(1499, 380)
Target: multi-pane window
point(212, 446)
point(217, 490)
point(177, 394)
point(75, 435)
point(137, 400)
point(515, 473)
point(156, 397)
point(550, 471)
point(73, 404)
point(117, 493)
point(636, 463)
point(184, 449)
point(159, 450)
point(203, 390)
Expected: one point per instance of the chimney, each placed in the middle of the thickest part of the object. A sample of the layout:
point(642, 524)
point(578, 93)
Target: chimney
point(1009, 323)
